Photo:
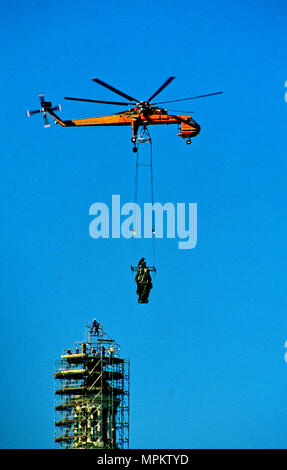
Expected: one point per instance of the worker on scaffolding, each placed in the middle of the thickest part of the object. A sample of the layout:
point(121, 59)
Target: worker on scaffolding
point(95, 326)
point(111, 351)
point(143, 280)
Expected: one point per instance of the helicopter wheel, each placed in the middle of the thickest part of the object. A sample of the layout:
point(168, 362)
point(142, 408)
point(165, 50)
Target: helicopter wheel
point(135, 149)
point(133, 140)
point(188, 141)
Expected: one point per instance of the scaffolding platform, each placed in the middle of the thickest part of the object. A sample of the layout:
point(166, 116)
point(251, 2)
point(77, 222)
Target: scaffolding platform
point(92, 394)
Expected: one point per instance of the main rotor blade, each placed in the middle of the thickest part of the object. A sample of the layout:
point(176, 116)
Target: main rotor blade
point(161, 88)
point(98, 101)
point(180, 111)
point(124, 95)
point(123, 111)
point(192, 98)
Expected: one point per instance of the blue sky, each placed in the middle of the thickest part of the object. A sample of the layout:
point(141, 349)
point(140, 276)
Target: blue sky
point(207, 352)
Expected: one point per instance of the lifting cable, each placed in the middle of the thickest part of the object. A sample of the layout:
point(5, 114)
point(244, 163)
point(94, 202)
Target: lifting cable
point(143, 138)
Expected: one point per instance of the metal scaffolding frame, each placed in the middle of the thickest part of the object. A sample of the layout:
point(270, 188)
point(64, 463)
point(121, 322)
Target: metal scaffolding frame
point(92, 383)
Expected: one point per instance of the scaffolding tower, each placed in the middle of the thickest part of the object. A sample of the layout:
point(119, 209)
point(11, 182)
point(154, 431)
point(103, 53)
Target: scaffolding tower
point(92, 384)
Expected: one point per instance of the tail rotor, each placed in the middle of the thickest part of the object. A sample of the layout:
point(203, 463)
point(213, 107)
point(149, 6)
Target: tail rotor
point(46, 106)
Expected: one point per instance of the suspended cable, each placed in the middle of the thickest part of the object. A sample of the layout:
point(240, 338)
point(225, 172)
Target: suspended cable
point(144, 137)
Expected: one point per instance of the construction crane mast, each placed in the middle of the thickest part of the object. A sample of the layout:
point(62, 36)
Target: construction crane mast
point(92, 394)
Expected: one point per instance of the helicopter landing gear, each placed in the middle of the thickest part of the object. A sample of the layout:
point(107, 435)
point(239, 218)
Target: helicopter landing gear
point(135, 149)
point(188, 141)
point(133, 140)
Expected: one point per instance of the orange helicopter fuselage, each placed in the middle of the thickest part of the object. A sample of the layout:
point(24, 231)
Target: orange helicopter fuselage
point(188, 127)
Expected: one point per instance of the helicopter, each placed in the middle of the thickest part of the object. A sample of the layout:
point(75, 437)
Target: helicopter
point(141, 114)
